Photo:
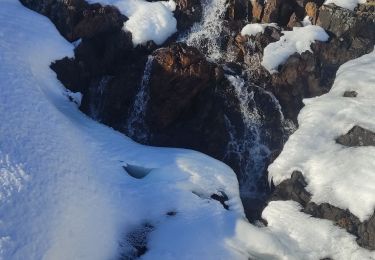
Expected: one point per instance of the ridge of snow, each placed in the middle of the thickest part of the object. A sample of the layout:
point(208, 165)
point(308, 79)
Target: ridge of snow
point(255, 28)
point(339, 175)
point(147, 20)
point(348, 4)
point(298, 40)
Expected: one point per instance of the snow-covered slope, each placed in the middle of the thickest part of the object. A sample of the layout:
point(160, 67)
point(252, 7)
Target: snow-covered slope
point(339, 175)
point(64, 193)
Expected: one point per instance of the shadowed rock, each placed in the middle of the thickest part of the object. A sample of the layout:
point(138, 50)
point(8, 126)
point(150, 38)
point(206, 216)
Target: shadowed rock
point(357, 136)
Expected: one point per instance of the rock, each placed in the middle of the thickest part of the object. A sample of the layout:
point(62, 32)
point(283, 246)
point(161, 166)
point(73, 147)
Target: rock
point(237, 10)
point(311, 10)
point(357, 136)
point(278, 11)
point(179, 74)
point(294, 21)
point(187, 13)
point(350, 94)
point(294, 189)
point(257, 7)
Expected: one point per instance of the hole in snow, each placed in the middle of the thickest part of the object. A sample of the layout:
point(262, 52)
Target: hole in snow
point(136, 171)
point(171, 213)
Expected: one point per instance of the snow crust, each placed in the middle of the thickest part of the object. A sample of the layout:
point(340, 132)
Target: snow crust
point(147, 20)
point(348, 4)
point(339, 175)
point(298, 40)
point(255, 28)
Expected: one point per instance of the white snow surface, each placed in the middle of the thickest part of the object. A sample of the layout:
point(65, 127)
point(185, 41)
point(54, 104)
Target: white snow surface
point(147, 20)
point(65, 195)
point(339, 175)
point(348, 4)
point(255, 28)
point(293, 235)
point(298, 40)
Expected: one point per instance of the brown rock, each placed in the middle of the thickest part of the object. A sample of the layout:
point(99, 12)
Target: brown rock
point(311, 10)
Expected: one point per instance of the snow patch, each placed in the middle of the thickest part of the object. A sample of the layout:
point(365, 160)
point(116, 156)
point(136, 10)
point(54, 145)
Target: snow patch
point(255, 28)
point(298, 40)
point(348, 4)
point(335, 174)
point(147, 20)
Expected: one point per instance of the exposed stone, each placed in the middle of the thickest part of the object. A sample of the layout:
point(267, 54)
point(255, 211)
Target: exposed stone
point(294, 189)
point(350, 94)
point(237, 10)
point(311, 10)
point(187, 13)
point(357, 136)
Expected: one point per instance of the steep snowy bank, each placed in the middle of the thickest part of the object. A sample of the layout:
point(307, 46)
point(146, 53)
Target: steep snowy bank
point(336, 174)
point(64, 193)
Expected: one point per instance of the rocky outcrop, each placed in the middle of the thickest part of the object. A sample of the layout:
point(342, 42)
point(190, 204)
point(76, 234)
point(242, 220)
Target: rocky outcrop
point(357, 136)
point(294, 189)
point(312, 74)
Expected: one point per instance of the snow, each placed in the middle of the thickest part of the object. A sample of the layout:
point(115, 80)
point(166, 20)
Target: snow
point(147, 20)
point(298, 40)
point(348, 4)
point(339, 175)
point(293, 235)
point(255, 28)
point(64, 193)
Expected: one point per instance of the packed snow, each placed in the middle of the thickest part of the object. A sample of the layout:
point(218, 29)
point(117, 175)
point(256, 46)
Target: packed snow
point(71, 188)
point(147, 20)
point(298, 40)
point(348, 4)
point(255, 28)
point(339, 175)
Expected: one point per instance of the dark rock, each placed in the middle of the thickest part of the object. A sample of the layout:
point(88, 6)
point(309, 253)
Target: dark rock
point(187, 13)
point(179, 74)
point(350, 94)
point(294, 189)
point(222, 198)
point(357, 136)
point(237, 10)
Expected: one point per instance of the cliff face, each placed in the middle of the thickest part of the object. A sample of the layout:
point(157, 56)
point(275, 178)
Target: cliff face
point(229, 107)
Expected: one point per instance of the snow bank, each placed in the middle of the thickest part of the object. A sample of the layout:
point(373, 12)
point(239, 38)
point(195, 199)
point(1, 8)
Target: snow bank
point(255, 28)
point(147, 20)
point(63, 191)
point(293, 235)
point(339, 175)
point(298, 40)
point(348, 4)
